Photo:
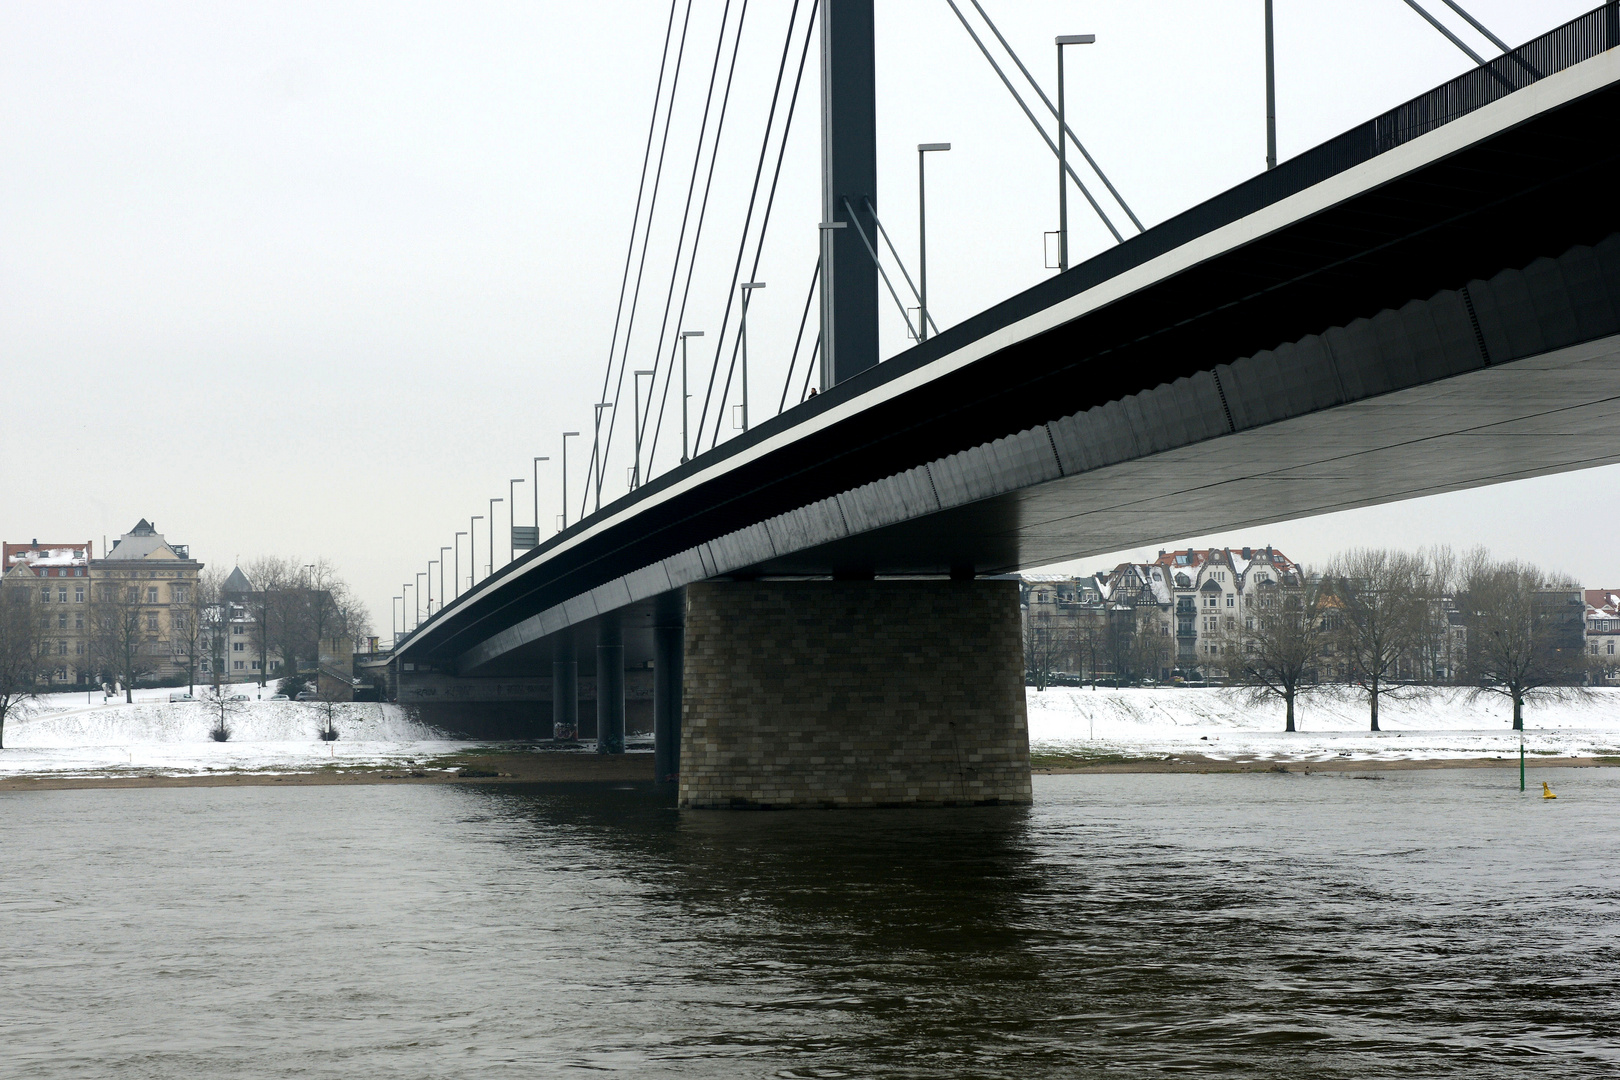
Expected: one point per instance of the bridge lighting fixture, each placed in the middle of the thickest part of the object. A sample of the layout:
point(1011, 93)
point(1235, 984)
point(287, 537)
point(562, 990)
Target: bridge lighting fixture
point(441, 576)
point(472, 550)
point(1063, 143)
point(492, 503)
point(537, 462)
point(431, 564)
point(459, 535)
point(419, 578)
point(922, 238)
point(748, 288)
point(686, 448)
point(511, 507)
point(596, 449)
point(396, 627)
point(563, 521)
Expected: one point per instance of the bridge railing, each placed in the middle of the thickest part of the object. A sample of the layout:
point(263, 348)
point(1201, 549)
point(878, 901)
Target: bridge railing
point(1579, 39)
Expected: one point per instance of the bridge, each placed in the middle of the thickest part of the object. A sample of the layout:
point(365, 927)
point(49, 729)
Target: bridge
point(1428, 302)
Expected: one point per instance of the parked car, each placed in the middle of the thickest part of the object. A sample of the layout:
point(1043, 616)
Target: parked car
point(307, 695)
point(240, 697)
point(179, 695)
point(277, 697)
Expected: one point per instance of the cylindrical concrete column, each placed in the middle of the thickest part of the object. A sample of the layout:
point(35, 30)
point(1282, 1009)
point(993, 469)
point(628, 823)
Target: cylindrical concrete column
point(565, 689)
point(609, 685)
point(669, 657)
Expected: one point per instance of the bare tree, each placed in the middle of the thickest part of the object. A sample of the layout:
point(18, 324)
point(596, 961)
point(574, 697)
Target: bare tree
point(1525, 636)
point(1379, 603)
point(1276, 652)
point(22, 659)
point(191, 622)
point(217, 699)
point(120, 629)
point(1043, 645)
point(1147, 650)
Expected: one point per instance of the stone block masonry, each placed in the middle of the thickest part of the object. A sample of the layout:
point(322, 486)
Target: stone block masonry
point(847, 694)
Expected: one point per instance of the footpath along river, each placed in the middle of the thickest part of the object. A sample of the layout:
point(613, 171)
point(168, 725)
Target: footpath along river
point(1418, 924)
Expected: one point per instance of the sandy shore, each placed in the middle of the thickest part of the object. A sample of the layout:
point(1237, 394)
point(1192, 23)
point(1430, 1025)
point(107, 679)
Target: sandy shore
point(575, 768)
point(479, 768)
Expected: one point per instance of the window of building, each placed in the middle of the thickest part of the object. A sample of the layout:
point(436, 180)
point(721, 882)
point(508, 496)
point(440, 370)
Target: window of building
point(238, 630)
point(61, 648)
point(61, 621)
point(1611, 648)
point(1248, 623)
point(151, 620)
point(238, 646)
point(237, 666)
point(205, 665)
point(151, 594)
point(254, 665)
point(61, 674)
point(181, 593)
point(78, 648)
point(78, 620)
point(1594, 648)
point(1231, 601)
point(45, 594)
point(61, 595)
point(78, 594)
point(275, 665)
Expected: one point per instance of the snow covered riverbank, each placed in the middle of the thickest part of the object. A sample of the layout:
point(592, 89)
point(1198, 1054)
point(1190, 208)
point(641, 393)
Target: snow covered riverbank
point(64, 735)
point(1219, 724)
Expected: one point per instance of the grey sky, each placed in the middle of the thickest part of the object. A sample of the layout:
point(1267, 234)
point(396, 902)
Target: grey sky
point(320, 278)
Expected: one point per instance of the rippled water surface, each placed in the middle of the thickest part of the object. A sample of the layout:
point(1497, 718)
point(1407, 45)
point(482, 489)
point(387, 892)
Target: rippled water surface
point(1423, 924)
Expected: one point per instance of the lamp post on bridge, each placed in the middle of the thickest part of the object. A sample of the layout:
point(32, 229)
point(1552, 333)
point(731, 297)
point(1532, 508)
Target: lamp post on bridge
point(1271, 94)
point(396, 628)
point(565, 437)
point(459, 535)
point(419, 578)
point(537, 462)
point(686, 449)
point(748, 288)
point(1063, 144)
point(491, 570)
point(441, 575)
point(511, 517)
point(431, 564)
point(404, 608)
point(472, 550)
point(923, 149)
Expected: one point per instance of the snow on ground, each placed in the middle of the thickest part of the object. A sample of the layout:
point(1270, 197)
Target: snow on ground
point(63, 735)
point(1332, 725)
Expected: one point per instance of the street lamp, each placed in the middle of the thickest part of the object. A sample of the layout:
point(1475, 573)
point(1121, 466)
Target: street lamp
point(1271, 94)
point(511, 517)
point(472, 550)
point(431, 564)
point(537, 462)
point(566, 436)
point(398, 625)
point(404, 606)
point(441, 575)
point(1063, 144)
point(686, 454)
point(635, 473)
point(748, 288)
point(922, 239)
point(419, 578)
point(459, 535)
point(492, 503)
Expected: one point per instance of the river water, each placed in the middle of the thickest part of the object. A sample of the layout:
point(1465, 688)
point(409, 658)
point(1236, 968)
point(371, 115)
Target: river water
point(1419, 924)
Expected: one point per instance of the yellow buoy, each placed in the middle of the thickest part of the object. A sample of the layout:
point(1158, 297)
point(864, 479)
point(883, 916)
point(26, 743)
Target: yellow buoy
point(1547, 792)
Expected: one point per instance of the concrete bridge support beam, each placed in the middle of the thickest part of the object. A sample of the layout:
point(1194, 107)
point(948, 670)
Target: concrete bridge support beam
point(565, 690)
point(824, 694)
point(609, 685)
point(669, 648)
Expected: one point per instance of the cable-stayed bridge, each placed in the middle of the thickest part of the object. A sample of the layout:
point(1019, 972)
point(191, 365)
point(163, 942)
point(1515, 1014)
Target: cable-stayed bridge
point(1427, 302)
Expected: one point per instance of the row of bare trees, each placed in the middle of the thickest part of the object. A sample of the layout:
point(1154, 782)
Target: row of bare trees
point(292, 607)
point(1393, 622)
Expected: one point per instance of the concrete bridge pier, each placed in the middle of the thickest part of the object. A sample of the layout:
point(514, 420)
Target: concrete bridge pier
point(609, 684)
point(565, 689)
point(852, 693)
point(669, 648)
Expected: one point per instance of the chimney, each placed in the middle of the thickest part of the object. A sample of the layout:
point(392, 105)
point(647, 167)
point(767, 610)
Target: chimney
point(1248, 553)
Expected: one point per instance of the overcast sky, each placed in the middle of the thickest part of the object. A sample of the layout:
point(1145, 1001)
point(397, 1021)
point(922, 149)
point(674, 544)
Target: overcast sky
point(319, 279)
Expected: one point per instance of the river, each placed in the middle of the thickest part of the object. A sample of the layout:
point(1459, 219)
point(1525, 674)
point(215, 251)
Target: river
point(1427, 923)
